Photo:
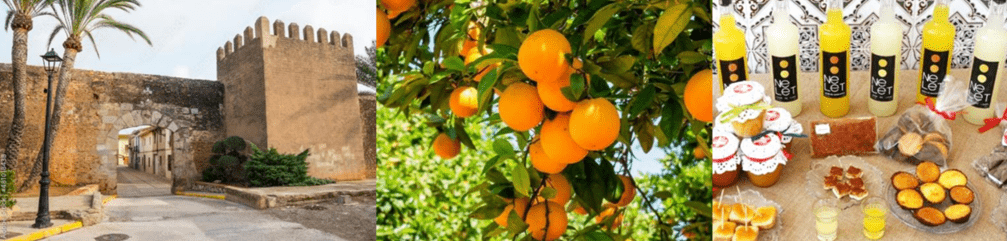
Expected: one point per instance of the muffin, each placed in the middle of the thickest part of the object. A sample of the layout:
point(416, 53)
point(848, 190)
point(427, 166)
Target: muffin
point(726, 160)
point(741, 94)
point(749, 122)
point(763, 159)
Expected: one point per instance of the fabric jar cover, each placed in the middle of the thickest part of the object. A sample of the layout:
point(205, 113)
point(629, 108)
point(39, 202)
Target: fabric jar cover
point(747, 115)
point(763, 155)
point(742, 93)
point(777, 120)
point(795, 129)
point(720, 124)
point(725, 152)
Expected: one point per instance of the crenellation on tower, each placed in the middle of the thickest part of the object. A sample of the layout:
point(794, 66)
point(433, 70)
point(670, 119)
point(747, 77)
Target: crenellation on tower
point(348, 42)
point(238, 42)
point(249, 34)
point(279, 29)
point(294, 31)
point(323, 36)
point(335, 39)
point(228, 49)
point(309, 34)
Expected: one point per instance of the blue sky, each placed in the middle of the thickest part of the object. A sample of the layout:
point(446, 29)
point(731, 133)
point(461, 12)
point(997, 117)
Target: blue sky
point(187, 33)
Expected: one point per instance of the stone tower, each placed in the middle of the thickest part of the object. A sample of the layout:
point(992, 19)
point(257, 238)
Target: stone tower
point(292, 89)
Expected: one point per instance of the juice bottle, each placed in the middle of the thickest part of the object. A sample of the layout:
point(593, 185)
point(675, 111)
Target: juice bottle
point(938, 43)
point(834, 63)
point(729, 41)
point(886, 56)
point(783, 47)
point(990, 52)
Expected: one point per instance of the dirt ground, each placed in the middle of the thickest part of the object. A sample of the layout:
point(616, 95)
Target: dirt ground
point(354, 220)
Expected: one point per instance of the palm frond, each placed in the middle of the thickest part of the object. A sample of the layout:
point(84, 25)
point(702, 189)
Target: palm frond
point(52, 36)
point(79, 18)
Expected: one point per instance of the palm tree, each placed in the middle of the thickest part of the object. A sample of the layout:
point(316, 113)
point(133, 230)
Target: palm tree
point(19, 18)
point(79, 18)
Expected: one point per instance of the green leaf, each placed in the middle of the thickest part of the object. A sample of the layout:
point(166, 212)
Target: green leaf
point(547, 193)
point(576, 88)
point(599, 19)
point(691, 57)
point(645, 134)
point(503, 148)
point(486, 212)
point(700, 208)
point(642, 100)
point(428, 67)
point(671, 117)
point(454, 63)
point(485, 89)
point(491, 163)
point(597, 235)
point(495, 176)
point(619, 65)
point(520, 178)
point(641, 38)
point(670, 24)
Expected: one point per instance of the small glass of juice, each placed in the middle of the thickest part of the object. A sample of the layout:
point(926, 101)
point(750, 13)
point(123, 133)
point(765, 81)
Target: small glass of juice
point(826, 218)
point(874, 209)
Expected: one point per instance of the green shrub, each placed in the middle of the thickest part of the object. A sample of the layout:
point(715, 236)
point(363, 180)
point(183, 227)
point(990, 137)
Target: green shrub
point(270, 168)
point(7, 193)
point(226, 163)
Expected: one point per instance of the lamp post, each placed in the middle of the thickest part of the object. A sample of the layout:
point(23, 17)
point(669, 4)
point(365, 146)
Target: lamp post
point(52, 62)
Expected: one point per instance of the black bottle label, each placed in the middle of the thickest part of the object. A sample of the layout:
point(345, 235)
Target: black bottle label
point(935, 66)
point(834, 74)
point(984, 76)
point(785, 78)
point(732, 71)
point(882, 77)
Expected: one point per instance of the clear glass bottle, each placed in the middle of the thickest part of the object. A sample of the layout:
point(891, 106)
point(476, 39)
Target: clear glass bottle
point(782, 38)
point(987, 65)
point(886, 56)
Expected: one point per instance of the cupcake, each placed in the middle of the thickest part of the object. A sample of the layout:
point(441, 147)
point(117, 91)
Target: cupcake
point(763, 159)
point(749, 122)
point(726, 160)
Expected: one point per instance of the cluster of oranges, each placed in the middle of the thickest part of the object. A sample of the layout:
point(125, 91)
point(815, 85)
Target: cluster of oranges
point(547, 218)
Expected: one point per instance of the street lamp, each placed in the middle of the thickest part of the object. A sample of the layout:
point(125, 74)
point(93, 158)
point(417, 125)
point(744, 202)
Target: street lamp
point(52, 61)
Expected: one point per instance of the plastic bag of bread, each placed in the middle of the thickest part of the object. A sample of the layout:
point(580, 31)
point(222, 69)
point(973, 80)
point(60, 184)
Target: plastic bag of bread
point(993, 167)
point(923, 133)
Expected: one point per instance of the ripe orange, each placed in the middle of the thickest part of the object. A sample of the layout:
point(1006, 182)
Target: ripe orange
point(464, 101)
point(580, 210)
point(546, 221)
point(577, 64)
point(384, 28)
point(594, 124)
point(395, 7)
point(552, 94)
point(483, 67)
point(467, 46)
point(542, 162)
point(519, 205)
point(520, 108)
point(557, 143)
point(698, 96)
point(628, 193)
point(605, 214)
point(542, 55)
point(445, 147)
point(474, 30)
point(698, 152)
point(563, 189)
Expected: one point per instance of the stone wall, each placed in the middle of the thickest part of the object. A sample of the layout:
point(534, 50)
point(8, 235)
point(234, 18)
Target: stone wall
point(368, 116)
point(98, 105)
point(305, 87)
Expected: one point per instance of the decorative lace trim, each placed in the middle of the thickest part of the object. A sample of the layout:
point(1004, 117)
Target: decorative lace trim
point(729, 165)
point(763, 168)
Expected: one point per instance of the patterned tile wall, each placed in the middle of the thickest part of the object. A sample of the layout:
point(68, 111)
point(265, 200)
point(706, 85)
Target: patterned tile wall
point(754, 16)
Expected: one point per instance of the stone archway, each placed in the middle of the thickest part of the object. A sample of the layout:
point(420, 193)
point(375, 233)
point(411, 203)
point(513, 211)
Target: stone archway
point(178, 120)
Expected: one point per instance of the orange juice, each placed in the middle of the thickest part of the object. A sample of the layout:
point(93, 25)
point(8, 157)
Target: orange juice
point(834, 62)
point(729, 42)
point(938, 44)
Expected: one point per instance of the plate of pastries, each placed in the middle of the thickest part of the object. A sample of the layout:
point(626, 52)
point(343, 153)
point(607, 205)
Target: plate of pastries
point(933, 199)
point(747, 216)
point(849, 179)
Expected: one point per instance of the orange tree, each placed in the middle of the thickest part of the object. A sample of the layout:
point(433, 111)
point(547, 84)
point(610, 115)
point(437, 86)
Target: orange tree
point(564, 91)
